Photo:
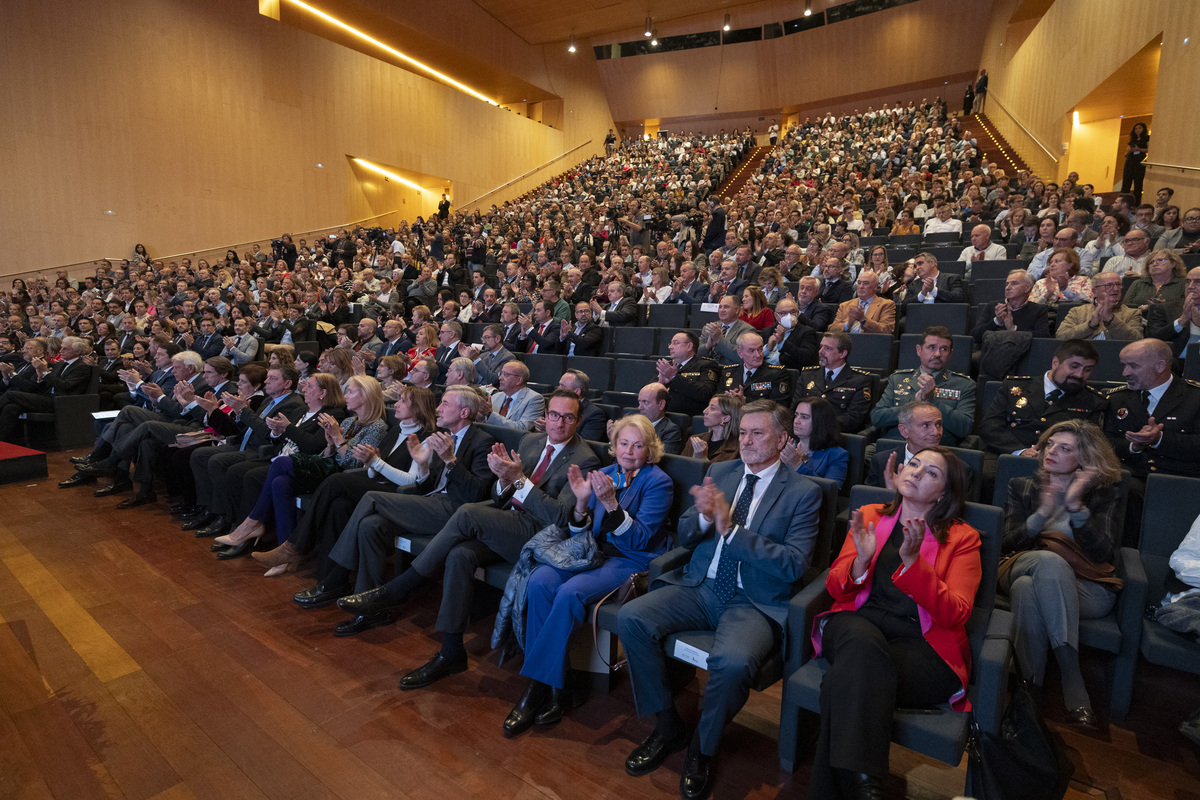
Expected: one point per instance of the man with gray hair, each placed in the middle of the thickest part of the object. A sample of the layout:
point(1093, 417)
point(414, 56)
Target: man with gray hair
point(1106, 318)
point(982, 248)
point(1015, 312)
point(69, 376)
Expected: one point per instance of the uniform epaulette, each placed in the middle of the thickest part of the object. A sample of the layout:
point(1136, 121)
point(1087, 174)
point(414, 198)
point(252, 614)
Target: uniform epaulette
point(959, 374)
point(1192, 383)
point(1114, 390)
point(860, 371)
point(1017, 377)
point(903, 371)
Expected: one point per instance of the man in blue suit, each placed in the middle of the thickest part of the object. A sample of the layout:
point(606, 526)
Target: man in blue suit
point(752, 531)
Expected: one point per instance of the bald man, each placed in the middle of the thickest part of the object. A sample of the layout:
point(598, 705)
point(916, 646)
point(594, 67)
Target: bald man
point(982, 248)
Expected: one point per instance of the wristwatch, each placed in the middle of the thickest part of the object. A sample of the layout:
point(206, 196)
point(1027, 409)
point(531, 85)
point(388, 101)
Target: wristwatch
point(519, 484)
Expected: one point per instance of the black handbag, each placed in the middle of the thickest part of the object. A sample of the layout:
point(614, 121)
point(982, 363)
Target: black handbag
point(1023, 761)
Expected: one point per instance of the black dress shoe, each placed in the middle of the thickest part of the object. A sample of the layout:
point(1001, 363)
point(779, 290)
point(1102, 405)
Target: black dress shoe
point(696, 782)
point(97, 470)
point(138, 500)
point(650, 754)
point(182, 510)
point(78, 479)
point(1082, 717)
point(368, 602)
point(556, 709)
point(218, 527)
point(522, 717)
point(320, 595)
point(364, 622)
point(860, 785)
point(116, 487)
point(437, 668)
point(197, 522)
point(84, 460)
point(236, 551)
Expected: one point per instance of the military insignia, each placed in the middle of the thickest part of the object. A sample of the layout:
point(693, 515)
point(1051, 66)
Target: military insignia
point(729, 381)
point(811, 385)
point(1015, 391)
point(1022, 402)
point(761, 386)
point(867, 393)
point(1122, 413)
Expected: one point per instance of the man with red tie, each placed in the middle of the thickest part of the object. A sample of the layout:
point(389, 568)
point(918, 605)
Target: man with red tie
point(541, 330)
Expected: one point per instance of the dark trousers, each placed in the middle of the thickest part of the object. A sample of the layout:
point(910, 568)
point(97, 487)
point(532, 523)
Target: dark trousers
point(875, 666)
point(331, 509)
point(14, 404)
point(368, 539)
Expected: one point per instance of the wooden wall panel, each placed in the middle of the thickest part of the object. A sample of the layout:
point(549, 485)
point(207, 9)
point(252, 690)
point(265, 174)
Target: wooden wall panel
point(202, 123)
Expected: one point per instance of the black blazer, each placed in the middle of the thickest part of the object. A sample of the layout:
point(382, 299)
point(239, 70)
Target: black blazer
point(949, 290)
point(624, 314)
point(1160, 324)
point(470, 480)
point(835, 293)
point(799, 349)
point(546, 342)
point(587, 343)
point(67, 379)
point(1032, 317)
point(1178, 411)
point(817, 316)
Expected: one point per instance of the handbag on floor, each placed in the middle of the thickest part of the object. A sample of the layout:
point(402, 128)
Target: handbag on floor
point(1025, 760)
point(632, 587)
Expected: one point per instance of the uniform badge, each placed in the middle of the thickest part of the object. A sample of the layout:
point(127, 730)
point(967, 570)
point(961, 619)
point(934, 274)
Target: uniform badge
point(811, 385)
point(1016, 391)
point(1022, 402)
point(1122, 413)
point(729, 381)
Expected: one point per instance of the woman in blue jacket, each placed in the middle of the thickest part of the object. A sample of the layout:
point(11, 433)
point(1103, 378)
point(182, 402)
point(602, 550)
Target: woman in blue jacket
point(817, 446)
point(624, 506)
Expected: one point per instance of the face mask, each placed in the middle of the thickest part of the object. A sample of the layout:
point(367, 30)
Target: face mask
point(788, 321)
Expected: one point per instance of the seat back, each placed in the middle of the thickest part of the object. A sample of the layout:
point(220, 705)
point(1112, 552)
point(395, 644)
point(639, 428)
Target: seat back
point(509, 437)
point(856, 468)
point(873, 351)
point(822, 556)
point(601, 450)
point(919, 316)
point(545, 368)
point(1172, 503)
point(685, 473)
point(642, 341)
point(599, 370)
point(995, 270)
point(987, 290)
point(668, 315)
point(941, 238)
point(632, 375)
point(1007, 468)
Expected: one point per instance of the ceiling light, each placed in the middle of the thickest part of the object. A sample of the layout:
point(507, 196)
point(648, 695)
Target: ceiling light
point(649, 30)
point(393, 51)
point(654, 39)
point(362, 162)
point(726, 23)
point(808, 8)
point(571, 46)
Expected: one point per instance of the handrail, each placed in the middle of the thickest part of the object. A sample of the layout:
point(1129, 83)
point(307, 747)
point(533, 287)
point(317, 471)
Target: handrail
point(196, 253)
point(1013, 117)
point(524, 176)
point(1170, 166)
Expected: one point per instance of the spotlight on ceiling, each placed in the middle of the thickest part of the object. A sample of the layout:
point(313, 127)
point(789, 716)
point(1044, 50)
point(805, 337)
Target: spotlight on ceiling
point(654, 39)
point(571, 46)
point(808, 8)
point(726, 23)
point(649, 30)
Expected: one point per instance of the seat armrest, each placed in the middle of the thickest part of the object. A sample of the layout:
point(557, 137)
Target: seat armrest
point(991, 673)
point(1131, 601)
point(672, 559)
point(803, 608)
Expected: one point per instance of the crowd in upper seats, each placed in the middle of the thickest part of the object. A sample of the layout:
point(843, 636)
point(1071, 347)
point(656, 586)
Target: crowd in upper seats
point(346, 369)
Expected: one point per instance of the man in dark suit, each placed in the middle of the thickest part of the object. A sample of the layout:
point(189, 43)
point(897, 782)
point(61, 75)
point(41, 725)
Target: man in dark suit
point(754, 379)
point(1025, 407)
point(451, 470)
point(752, 532)
point(691, 381)
point(206, 342)
point(491, 309)
point(714, 232)
point(394, 343)
point(1016, 313)
point(584, 337)
point(531, 491)
point(21, 376)
point(619, 310)
point(718, 340)
point(847, 388)
point(494, 355)
point(734, 286)
point(652, 404)
point(838, 288)
point(540, 331)
point(792, 344)
point(687, 287)
point(593, 422)
point(1177, 322)
point(932, 286)
point(920, 427)
point(510, 318)
point(449, 338)
point(69, 376)
point(1152, 423)
point(812, 311)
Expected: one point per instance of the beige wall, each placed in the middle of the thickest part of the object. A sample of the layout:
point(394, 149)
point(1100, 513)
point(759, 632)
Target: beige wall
point(896, 53)
point(201, 125)
point(1092, 152)
point(1072, 50)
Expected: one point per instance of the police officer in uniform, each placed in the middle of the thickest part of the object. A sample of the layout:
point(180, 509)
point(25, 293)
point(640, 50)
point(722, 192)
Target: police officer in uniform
point(847, 388)
point(951, 392)
point(1025, 407)
point(691, 381)
point(753, 379)
point(1153, 423)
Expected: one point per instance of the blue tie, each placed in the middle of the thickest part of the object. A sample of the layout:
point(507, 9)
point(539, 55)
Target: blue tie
point(727, 568)
point(265, 413)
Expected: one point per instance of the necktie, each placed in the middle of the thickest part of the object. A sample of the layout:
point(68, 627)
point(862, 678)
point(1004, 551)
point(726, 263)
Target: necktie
point(1146, 401)
point(505, 406)
point(542, 466)
point(1054, 396)
point(828, 377)
point(457, 437)
point(726, 583)
point(266, 413)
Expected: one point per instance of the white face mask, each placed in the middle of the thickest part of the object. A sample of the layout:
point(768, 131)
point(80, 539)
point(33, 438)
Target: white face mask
point(788, 321)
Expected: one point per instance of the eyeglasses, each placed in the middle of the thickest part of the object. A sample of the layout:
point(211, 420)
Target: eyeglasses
point(554, 416)
point(1191, 219)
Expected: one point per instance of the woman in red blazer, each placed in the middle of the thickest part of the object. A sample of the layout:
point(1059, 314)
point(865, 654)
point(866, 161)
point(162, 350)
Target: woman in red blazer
point(902, 588)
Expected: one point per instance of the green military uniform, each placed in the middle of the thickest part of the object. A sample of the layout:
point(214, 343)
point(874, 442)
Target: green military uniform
point(768, 382)
point(1021, 412)
point(693, 386)
point(849, 393)
point(954, 396)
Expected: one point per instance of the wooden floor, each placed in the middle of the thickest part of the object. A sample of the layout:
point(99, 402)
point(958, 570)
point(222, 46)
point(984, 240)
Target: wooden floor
point(134, 665)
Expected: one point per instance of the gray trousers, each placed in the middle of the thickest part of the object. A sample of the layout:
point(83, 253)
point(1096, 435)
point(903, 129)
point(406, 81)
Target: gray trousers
point(368, 539)
point(1047, 602)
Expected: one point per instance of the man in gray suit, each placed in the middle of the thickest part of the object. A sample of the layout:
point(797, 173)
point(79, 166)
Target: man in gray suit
point(241, 347)
point(494, 355)
point(718, 340)
point(515, 405)
point(752, 531)
point(531, 491)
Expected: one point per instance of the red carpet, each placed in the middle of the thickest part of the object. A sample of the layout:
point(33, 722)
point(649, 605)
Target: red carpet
point(21, 464)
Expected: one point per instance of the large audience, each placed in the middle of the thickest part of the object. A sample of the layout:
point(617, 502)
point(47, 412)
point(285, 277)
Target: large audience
point(373, 376)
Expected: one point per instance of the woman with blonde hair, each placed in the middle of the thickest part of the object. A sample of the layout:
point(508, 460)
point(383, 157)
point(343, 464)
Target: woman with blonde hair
point(1056, 522)
point(755, 310)
point(722, 416)
point(1162, 281)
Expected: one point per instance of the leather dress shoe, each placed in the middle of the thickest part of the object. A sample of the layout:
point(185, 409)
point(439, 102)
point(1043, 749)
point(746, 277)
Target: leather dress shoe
point(363, 622)
point(320, 595)
point(197, 522)
point(522, 717)
point(650, 754)
point(116, 487)
point(97, 470)
point(84, 460)
point(138, 499)
point(236, 551)
point(78, 479)
point(556, 709)
point(860, 785)
point(435, 669)
point(1082, 717)
point(367, 602)
point(696, 781)
point(184, 510)
point(217, 527)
